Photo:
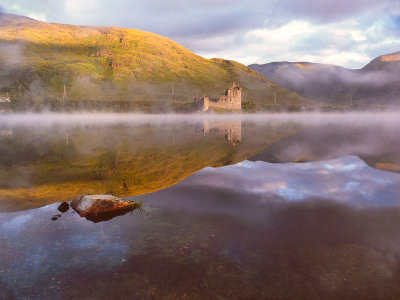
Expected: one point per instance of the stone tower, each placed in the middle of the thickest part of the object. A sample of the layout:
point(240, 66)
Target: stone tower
point(234, 94)
point(232, 99)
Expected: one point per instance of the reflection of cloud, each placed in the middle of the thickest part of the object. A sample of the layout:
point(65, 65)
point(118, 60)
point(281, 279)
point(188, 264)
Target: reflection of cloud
point(340, 167)
point(16, 224)
point(273, 185)
point(291, 194)
point(351, 186)
point(344, 179)
point(91, 241)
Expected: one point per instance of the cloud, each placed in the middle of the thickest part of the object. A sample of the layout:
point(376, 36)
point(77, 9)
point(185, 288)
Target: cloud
point(327, 11)
point(348, 43)
point(248, 31)
point(346, 179)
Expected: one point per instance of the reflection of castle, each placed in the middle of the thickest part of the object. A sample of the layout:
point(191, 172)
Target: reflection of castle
point(5, 132)
point(232, 130)
point(5, 100)
point(231, 100)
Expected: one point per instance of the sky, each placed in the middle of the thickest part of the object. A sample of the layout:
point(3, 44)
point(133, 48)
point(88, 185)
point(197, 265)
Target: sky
point(348, 33)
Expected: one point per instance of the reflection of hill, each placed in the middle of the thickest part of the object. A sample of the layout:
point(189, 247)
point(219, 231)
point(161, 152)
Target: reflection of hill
point(45, 165)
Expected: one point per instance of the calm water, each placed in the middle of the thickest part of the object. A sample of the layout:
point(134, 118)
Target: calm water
point(251, 207)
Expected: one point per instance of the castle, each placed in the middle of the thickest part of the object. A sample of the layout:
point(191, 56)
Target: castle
point(231, 100)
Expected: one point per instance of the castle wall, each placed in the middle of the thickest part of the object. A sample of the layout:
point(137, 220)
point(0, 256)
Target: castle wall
point(226, 103)
point(201, 104)
point(231, 100)
point(206, 104)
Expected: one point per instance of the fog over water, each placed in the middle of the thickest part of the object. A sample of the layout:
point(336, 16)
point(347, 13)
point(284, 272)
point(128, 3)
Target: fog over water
point(110, 118)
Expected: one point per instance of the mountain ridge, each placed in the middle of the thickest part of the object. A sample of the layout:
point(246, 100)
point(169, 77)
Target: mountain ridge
point(375, 84)
point(117, 67)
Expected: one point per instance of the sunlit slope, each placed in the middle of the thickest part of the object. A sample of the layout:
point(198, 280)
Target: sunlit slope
point(376, 84)
point(116, 64)
point(388, 62)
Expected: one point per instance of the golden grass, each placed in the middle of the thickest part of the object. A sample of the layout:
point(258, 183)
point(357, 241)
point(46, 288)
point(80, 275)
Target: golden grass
point(304, 67)
point(123, 63)
point(388, 167)
point(391, 57)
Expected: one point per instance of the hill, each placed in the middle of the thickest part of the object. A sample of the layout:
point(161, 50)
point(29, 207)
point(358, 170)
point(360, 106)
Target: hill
point(388, 62)
point(116, 68)
point(376, 84)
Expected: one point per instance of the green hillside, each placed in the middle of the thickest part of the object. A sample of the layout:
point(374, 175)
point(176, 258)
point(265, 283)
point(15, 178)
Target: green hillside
point(118, 68)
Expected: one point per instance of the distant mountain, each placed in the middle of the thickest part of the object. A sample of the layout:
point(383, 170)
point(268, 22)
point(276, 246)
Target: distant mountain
point(389, 63)
point(44, 64)
point(376, 84)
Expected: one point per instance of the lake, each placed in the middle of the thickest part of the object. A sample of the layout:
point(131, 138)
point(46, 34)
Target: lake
point(277, 206)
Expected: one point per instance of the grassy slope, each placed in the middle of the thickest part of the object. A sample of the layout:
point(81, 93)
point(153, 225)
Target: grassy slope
point(104, 63)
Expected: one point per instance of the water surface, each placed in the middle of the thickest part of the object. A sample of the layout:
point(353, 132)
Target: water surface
point(233, 208)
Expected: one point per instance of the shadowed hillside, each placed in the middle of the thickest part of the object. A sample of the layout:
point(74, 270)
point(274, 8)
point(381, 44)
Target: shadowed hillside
point(375, 85)
point(116, 68)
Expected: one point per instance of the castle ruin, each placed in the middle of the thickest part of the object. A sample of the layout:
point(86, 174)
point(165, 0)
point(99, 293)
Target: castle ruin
point(231, 100)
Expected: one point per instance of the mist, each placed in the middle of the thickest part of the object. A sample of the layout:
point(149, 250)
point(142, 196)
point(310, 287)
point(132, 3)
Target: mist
point(99, 118)
point(376, 84)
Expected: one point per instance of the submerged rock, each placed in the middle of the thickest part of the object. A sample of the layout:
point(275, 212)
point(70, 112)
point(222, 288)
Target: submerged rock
point(99, 208)
point(56, 217)
point(64, 207)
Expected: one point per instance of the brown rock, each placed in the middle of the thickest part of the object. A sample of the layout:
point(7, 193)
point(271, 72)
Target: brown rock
point(64, 207)
point(94, 205)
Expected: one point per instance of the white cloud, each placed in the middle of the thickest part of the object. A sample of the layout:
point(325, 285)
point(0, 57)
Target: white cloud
point(342, 32)
point(346, 44)
point(78, 7)
point(40, 17)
